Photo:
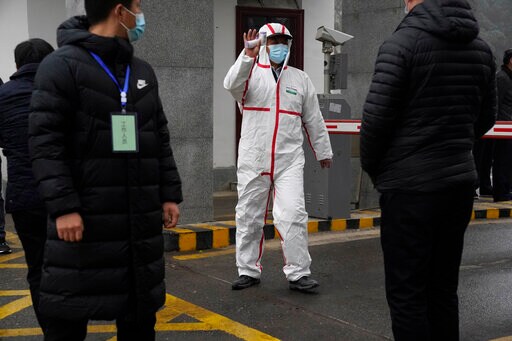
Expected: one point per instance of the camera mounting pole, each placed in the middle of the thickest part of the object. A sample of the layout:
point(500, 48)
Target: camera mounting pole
point(330, 39)
point(327, 49)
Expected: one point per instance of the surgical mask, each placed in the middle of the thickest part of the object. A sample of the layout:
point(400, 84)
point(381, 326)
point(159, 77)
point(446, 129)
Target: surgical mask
point(278, 52)
point(135, 33)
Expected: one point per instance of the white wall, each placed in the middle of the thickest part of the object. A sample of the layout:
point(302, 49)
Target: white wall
point(224, 119)
point(44, 17)
point(21, 20)
point(14, 30)
point(316, 13)
point(24, 19)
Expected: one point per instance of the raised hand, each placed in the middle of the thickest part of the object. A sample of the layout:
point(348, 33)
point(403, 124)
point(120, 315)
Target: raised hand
point(252, 35)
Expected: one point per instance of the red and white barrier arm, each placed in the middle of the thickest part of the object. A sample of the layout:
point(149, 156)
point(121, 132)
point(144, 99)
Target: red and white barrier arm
point(501, 130)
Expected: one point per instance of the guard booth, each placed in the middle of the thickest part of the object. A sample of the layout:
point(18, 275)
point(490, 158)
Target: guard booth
point(328, 191)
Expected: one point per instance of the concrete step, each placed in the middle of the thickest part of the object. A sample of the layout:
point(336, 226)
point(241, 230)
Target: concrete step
point(224, 204)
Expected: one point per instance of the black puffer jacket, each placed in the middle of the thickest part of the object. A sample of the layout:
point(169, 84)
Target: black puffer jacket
point(504, 77)
point(119, 263)
point(21, 193)
point(432, 94)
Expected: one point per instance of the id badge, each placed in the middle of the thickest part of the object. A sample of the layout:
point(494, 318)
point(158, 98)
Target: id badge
point(124, 132)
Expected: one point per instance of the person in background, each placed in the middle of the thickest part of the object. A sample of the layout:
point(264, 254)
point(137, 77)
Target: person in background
point(484, 157)
point(4, 247)
point(502, 166)
point(22, 198)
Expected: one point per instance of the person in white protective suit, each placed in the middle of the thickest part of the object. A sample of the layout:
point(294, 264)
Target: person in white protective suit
point(276, 101)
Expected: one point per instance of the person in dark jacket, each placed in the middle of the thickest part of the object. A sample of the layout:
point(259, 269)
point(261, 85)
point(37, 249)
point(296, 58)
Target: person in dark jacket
point(484, 154)
point(4, 247)
point(502, 166)
point(101, 155)
point(432, 94)
point(22, 199)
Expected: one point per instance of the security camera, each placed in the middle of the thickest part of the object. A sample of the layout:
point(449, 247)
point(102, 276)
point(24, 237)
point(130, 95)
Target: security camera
point(329, 35)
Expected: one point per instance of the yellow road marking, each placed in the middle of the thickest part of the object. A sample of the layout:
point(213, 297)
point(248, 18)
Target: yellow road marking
point(15, 306)
point(211, 319)
point(13, 266)
point(14, 255)
point(205, 255)
point(174, 307)
point(13, 240)
point(21, 332)
point(14, 292)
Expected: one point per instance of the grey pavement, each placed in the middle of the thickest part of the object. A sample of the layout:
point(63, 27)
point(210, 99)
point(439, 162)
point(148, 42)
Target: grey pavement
point(349, 305)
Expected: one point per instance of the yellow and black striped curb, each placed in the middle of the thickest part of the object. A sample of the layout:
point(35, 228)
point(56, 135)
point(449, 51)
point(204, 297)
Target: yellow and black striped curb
point(221, 234)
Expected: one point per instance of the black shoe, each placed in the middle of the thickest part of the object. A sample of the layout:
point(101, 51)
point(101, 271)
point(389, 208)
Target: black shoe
point(4, 248)
point(303, 284)
point(244, 282)
point(487, 191)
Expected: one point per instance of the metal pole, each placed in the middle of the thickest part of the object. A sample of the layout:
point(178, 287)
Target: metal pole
point(327, 49)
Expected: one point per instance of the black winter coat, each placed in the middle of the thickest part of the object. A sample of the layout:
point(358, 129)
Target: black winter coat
point(432, 94)
point(118, 267)
point(504, 77)
point(21, 192)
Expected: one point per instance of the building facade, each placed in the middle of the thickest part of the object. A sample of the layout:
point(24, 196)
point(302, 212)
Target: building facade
point(192, 43)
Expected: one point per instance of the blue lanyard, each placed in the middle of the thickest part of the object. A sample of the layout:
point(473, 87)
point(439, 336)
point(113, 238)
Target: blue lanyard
point(122, 91)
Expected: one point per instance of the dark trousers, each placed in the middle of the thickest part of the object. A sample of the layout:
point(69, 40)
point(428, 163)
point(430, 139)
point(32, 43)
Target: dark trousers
point(31, 228)
point(2, 213)
point(484, 154)
point(502, 170)
point(422, 237)
point(128, 329)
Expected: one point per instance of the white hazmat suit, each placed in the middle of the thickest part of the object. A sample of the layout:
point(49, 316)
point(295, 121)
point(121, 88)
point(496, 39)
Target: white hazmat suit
point(271, 157)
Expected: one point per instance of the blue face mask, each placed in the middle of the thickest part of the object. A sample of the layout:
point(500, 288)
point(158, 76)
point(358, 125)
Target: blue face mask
point(135, 33)
point(278, 53)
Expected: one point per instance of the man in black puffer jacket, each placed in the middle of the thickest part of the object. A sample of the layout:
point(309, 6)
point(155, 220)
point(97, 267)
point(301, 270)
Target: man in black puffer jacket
point(502, 165)
point(101, 154)
point(22, 199)
point(433, 93)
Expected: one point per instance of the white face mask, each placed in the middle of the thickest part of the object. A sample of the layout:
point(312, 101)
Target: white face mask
point(406, 10)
